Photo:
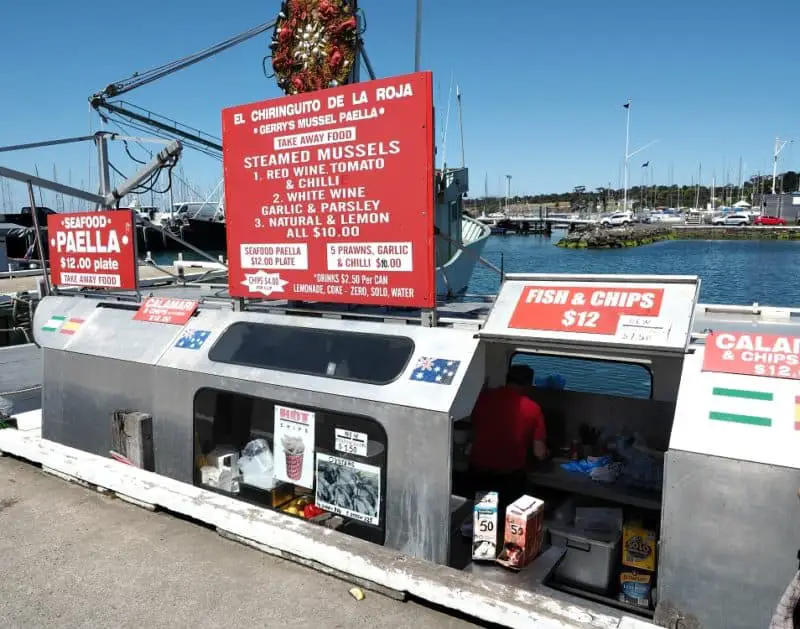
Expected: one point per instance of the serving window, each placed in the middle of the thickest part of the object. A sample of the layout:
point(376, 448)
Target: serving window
point(589, 375)
point(370, 358)
point(323, 466)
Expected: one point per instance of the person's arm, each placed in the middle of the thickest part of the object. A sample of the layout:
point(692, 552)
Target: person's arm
point(539, 435)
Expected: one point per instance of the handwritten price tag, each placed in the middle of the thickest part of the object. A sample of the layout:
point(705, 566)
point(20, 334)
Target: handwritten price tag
point(350, 442)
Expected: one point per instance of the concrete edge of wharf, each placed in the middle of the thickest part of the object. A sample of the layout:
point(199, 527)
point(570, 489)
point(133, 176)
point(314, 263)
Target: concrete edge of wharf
point(373, 567)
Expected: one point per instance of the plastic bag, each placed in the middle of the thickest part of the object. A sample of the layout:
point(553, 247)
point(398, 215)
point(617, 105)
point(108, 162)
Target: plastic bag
point(257, 465)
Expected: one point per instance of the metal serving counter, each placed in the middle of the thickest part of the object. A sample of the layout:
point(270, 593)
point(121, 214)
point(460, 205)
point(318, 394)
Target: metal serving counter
point(404, 383)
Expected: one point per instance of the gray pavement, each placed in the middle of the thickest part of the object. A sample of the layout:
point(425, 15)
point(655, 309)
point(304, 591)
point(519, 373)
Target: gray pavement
point(70, 557)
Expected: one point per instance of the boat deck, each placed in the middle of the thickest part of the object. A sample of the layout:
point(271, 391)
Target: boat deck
point(21, 376)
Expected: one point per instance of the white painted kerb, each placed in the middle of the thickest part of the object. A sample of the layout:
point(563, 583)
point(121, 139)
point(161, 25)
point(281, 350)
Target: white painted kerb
point(490, 602)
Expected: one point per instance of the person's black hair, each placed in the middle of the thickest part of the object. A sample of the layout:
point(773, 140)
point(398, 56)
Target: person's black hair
point(521, 375)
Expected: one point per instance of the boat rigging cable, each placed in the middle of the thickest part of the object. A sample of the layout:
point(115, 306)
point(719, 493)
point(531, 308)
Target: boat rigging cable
point(155, 121)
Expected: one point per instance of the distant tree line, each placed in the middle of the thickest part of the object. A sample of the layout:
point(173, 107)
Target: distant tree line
point(656, 195)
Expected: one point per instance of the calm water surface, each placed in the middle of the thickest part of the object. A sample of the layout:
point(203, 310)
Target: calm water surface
point(731, 272)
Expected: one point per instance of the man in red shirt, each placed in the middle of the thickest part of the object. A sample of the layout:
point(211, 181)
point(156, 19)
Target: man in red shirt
point(506, 425)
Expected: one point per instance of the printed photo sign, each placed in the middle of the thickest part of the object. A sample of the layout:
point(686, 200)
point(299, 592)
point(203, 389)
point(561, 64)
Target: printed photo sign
point(294, 446)
point(349, 488)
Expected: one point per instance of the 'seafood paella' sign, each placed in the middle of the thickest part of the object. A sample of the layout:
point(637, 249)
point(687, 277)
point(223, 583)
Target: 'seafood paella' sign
point(751, 354)
point(93, 249)
point(170, 310)
point(329, 195)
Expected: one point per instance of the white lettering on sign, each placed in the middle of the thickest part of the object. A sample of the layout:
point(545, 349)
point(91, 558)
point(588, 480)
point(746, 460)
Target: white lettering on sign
point(352, 151)
point(769, 355)
point(315, 138)
point(371, 256)
point(101, 280)
point(89, 241)
point(275, 256)
point(166, 303)
point(622, 299)
point(285, 110)
point(350, 442)
point(780, 345)
point(547, 296)
point(264, 283)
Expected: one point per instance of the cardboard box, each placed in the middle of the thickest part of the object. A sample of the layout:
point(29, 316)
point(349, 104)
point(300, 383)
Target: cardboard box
point(635, 588)
point(484, 526)
point(638, 547)
point(524, 532)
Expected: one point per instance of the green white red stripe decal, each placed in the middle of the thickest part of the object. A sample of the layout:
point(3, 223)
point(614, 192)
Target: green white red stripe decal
point(744, 406)
point(53, 324)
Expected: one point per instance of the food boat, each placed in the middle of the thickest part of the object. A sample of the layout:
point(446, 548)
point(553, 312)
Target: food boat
point(348, 413)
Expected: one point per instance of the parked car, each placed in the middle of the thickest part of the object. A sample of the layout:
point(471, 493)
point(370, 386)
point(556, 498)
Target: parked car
point(770, 220)
point(617, 219)
point(731, 219)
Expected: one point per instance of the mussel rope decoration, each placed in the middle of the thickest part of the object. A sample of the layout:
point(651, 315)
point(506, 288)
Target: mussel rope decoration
point(314, 45)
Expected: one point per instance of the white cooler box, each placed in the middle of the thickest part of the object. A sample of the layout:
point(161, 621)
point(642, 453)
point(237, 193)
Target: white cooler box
point(590, 559)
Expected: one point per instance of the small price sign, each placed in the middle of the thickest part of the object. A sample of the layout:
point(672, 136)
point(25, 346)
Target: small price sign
point(350, 442)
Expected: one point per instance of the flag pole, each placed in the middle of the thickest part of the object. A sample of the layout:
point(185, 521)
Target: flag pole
point(418, 38)
point(627, 152)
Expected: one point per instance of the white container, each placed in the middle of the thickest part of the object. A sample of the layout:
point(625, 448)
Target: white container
point(484, 526)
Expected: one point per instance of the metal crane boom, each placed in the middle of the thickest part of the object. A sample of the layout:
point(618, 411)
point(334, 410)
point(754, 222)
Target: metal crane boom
point(139, 79)
point(156, 121)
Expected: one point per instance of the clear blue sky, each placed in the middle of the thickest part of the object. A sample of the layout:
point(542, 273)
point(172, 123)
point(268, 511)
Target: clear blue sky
point(543, 83)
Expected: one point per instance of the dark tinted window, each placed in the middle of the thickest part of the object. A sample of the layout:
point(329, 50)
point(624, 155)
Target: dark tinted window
point(347, 463)
point(372, 358)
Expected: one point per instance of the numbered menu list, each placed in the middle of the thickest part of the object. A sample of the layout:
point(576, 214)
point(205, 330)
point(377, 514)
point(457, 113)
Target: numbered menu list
point(329, 195)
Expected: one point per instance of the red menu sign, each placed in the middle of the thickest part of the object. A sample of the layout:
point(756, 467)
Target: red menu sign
point(96, 249)
point(329, 195)
point(166, 310)
point(753, 354)
point(590, 310)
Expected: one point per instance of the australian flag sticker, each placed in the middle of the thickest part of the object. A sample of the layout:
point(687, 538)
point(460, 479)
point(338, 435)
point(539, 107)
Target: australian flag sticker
point(193, 339)
point(436, 370)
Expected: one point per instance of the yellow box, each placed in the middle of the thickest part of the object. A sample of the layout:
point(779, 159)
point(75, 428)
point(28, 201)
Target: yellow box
point(638, 547)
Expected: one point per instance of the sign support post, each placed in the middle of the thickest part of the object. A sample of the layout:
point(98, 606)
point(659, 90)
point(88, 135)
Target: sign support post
point(104, 173)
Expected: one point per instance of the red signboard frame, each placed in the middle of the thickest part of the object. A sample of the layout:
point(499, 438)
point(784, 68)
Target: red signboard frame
point(329, 195)
point(93, 249)
point(172, 310)
point(749, 354)
point(587, 310)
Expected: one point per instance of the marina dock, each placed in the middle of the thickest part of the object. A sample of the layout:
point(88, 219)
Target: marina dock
point(149, 275)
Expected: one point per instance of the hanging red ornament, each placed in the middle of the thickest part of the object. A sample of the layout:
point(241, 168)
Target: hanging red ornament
point(316, 42)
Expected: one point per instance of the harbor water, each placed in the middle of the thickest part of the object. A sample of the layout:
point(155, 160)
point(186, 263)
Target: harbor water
point(731, 272)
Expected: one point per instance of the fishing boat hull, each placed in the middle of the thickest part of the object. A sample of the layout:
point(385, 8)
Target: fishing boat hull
point(452, 278)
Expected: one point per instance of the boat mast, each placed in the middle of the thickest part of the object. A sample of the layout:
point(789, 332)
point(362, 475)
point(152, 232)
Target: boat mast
point(627, 153)
point(699, 180)
point(779, 146)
